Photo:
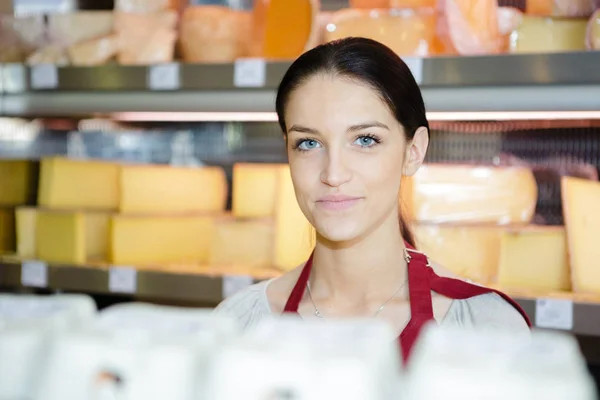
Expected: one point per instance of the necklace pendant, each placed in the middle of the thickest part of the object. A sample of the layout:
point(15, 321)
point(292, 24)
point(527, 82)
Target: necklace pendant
point(318, 314)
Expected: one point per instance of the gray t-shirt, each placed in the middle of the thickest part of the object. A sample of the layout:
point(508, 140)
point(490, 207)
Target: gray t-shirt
point(484, 311)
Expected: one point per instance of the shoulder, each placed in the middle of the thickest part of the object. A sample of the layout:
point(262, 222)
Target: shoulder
point(247, 306)
point(489, 311)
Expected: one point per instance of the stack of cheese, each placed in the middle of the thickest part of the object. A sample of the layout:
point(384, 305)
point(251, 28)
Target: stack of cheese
point(266, 227)
point(17, 187)
point(474, 220)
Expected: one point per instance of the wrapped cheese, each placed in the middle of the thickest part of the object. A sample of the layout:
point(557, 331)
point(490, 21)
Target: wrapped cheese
point(19, 37)
point(593, 32)
point(561, 8)
point(146, 38)
point(94, 52)
point(213, 34)
point(82, 26)
point(406, 31)
point(473, 26)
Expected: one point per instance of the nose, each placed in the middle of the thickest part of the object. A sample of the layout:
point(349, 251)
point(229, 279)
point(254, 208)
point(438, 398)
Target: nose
point(336, 171)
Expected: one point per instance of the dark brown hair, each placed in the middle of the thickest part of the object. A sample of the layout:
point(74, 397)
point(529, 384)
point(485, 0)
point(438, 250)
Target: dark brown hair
point(369, 62)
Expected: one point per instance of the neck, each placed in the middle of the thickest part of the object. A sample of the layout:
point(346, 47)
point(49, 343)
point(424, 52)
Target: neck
point(366, 268)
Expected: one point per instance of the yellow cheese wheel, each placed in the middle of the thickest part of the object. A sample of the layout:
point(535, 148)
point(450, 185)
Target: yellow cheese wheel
point(547, 35)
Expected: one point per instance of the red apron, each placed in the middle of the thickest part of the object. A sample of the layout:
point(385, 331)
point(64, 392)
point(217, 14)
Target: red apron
point(421, 281)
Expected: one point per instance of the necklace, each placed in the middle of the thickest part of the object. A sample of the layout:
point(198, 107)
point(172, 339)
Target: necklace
point(320, 316)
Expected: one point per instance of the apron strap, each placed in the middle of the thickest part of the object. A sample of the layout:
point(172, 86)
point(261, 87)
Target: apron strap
point(298, 291)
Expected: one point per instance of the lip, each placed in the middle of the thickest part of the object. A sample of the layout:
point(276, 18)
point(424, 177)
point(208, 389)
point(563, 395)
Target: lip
point(337, 202)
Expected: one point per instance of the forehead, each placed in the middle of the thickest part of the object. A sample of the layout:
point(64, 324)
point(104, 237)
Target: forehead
point(326, 101)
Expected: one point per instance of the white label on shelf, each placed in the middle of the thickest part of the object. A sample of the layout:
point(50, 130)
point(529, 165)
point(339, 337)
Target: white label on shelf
point(13, 78)
point(122, 280)
point(250, 72)
point(44, 76)
point(416, 67)
point(554, 314)
point(235, 283)
point(34, 274)
point(164, 77)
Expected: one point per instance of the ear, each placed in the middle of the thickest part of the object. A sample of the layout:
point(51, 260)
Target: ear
point(415, 151)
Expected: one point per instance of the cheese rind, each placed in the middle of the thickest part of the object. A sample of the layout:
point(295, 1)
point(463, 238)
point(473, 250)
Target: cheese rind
point(159, 189)
point(294, 235)
point(242, 242)
point(442, 193)
point(406, 32)
point(534, 258)
point(547, 35)
point(26, 222)
point(17, 182)
point(255, 189)
point(468, 251)
point(60, 237)
point(68, 184)
point(142, 241)
point(580, 199)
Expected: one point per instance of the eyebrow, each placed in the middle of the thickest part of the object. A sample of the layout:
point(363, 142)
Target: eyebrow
point(353, 128)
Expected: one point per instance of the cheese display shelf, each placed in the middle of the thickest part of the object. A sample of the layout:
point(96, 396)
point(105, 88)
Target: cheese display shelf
point(189, 285)
point(527, 82)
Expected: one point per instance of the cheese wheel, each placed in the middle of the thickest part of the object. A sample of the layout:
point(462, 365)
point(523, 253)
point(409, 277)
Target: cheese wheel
point(548, 35)
point(561, 8)
point(213, 34)
point(407, 32)
point(283, 29)
point(593, 32)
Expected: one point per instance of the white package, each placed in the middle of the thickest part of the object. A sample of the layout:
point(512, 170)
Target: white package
point(27, 323)
point(495, 364)
point(291, 358)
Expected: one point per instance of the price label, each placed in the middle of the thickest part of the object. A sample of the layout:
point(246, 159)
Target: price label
point(34, 274)
point(554, 314)
point(164, 77)
point(234, 284)
point(44, 76)
point(13, 78)
point(122, 280)
point(416, 67)
point(250, 72)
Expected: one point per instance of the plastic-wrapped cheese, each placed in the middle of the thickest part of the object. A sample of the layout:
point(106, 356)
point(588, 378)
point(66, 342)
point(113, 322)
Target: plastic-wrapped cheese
point(94, 52)
point(82, 26)
point(146, 38)
point(548, 34)
point(214, 34)
point(473, 26)
point(405, 31)
point(283, 29)
point(593, 33)
point(561, 8)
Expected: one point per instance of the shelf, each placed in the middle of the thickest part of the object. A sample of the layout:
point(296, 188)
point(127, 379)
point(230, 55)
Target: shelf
point(542, 82)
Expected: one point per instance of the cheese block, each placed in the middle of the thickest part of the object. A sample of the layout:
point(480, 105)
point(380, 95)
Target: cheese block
point(474, 26)
point(214, 34)
point(294, 235)
point(547, 35)
point(580, 199)
point(593, 32)
point(255, 189)
point(68, 184)
point(60, 237)
point(242, 242)
point(534, 258)
point(26, 222)
point(442, 193)
point(94, 52)
point(405, 31)
point(82, 26)
point(369, 4)
point(413, 3)
point(146, 38)
point(18, 180)
point(283, 29)
point(7, 231)
point(158, 240)
point(161, 189)
point(469, 251)
point(71, 237)
point(146, 6)
point(561, 8)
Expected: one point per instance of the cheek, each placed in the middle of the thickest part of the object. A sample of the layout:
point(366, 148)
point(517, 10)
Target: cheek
point(380, 174)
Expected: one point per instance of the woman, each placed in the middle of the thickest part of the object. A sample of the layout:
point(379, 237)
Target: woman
point(354, 123)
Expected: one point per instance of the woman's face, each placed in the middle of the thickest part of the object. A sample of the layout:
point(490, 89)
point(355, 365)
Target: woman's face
point(347, 155)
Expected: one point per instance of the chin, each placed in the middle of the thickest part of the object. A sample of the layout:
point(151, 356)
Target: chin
point(338, 231)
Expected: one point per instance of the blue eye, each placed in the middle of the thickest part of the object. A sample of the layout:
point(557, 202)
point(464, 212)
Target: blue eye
point(308, 144)
point(366, 141)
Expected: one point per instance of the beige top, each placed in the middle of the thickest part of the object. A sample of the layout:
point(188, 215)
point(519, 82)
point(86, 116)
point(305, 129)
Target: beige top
point(484, 311)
